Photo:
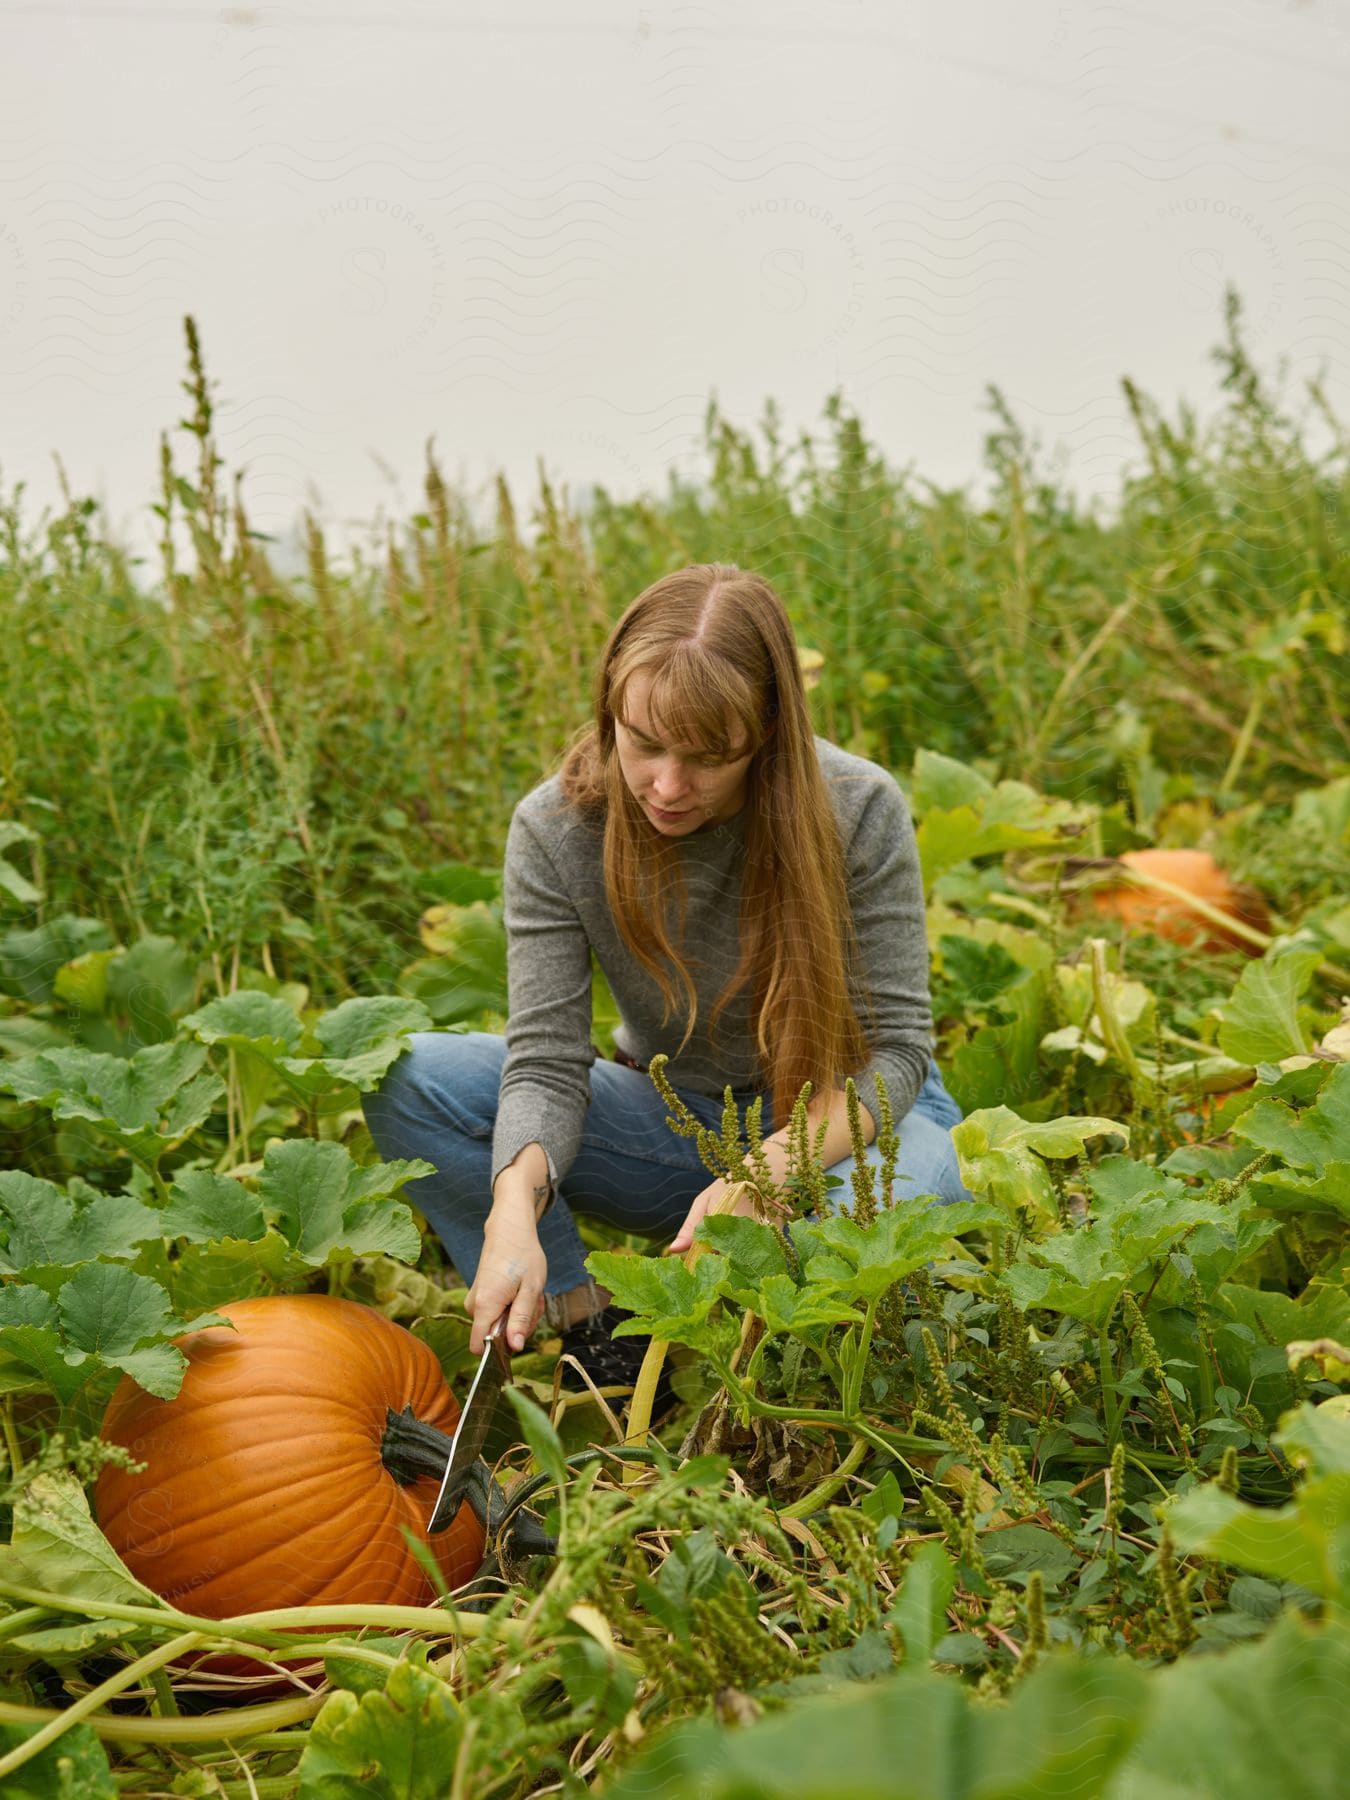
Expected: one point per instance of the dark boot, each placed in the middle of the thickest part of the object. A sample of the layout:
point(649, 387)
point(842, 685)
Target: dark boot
point(611, 1361)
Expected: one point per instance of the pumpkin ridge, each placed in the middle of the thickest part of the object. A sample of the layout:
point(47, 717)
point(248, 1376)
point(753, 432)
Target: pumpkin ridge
point(185, 1518)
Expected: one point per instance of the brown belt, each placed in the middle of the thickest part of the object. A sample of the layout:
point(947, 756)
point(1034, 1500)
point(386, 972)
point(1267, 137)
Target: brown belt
point(621, 1056)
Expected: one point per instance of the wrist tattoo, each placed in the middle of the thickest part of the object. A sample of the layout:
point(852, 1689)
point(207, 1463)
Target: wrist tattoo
point(541, 1199)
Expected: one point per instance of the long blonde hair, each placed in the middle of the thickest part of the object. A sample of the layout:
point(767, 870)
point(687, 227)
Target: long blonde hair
point(717, 643)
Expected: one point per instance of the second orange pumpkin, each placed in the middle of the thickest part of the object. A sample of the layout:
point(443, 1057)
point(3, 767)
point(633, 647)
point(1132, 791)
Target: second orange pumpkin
point(1149, 909)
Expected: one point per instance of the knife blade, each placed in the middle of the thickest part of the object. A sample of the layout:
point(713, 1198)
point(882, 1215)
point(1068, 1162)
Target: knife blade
point(490, 1377)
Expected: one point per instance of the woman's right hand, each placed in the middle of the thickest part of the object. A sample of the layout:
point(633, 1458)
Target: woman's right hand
point(511, 1273)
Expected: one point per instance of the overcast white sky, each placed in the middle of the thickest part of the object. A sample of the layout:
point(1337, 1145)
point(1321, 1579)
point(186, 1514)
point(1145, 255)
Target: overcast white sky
point(552, 230)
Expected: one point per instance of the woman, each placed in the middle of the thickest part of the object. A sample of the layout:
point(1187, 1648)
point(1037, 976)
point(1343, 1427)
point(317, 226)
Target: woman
point(798, 905)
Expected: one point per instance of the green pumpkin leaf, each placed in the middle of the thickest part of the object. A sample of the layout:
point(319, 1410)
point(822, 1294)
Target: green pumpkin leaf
point(941, 783)
point(17, 886)
point(1215, 1252)
point(670, 1301)
point(354, 1045)
point(1154, 1226)
point(976, 973)
point(1083, 1281)
point(916, 1735)
point(84, 982)
point(147, 1101)
point(1316, 1437)
point(205, 1207)
point(108, 1312)
point(1262, 1719)
point(322, 1201)
point(159, 1368)
point(1315, 1138)
point(1260, 1019)
point(248, 1020)
point(1003, 1060)
point(358, 1027)
point(24, 1034)
point(45, 1228)
point(1001, 1153)
point(784, 1306)
point(105, 1317)
point(75, 1767)
point(466, 975)
point(866, 1261)
point(106, 1309)
point(1285, 1191)
point(1303, 1541)
point(964, 816)
point(57, 1546)
point(22, 1304)
point(30, 1338)
point(1118, 1183)
point(398, 1742)
point(357, 1043)
point(207, 1275)
point(151, 982)
point(750, 1248)
point(31, 960)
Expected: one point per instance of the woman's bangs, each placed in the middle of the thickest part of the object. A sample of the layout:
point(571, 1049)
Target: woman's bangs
point(689, 702)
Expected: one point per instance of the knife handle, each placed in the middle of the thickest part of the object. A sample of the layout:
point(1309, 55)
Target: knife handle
point(495, 1338)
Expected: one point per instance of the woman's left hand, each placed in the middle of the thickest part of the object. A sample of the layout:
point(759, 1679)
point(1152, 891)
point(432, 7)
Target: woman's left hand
point(684, 1237)
point(743, 1207)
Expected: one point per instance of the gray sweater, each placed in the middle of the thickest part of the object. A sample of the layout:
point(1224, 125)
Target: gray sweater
point(556, 913)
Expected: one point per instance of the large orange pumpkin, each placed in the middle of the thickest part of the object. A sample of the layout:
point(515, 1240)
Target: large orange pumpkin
point(1149, 909)
point(274, 1479)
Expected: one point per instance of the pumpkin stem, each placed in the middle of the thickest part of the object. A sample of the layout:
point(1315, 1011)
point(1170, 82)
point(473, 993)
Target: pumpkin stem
point(410, 1448)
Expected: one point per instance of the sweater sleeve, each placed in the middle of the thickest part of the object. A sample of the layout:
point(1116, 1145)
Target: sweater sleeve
point(546, 1084)
point(885, 888)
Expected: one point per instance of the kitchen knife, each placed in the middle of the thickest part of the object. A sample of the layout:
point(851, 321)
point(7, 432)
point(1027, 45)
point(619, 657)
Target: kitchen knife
point(491, 1376)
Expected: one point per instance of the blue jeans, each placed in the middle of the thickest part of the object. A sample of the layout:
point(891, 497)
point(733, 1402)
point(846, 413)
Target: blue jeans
point(439, 1101)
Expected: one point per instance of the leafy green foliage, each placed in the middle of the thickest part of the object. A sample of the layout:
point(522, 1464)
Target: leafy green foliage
point(1261, 1021)
point(320, 1201)
point(1003, 1154)
point(965, 816)
point(1306, 1541)
point(398, 1742)
point(1270, 1719)
point(146, 1102)
point(46, 1229)
point(74, 1768)
point(914, 1737)
point(919, 1611)
point(352, 1046)
point(865, 1262)
point(104, 1317)
point(12, 883)
point(1051, 1453)
point(466, 977)
point(75, 1310)
point(55, 1545)
point(670, 1301)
